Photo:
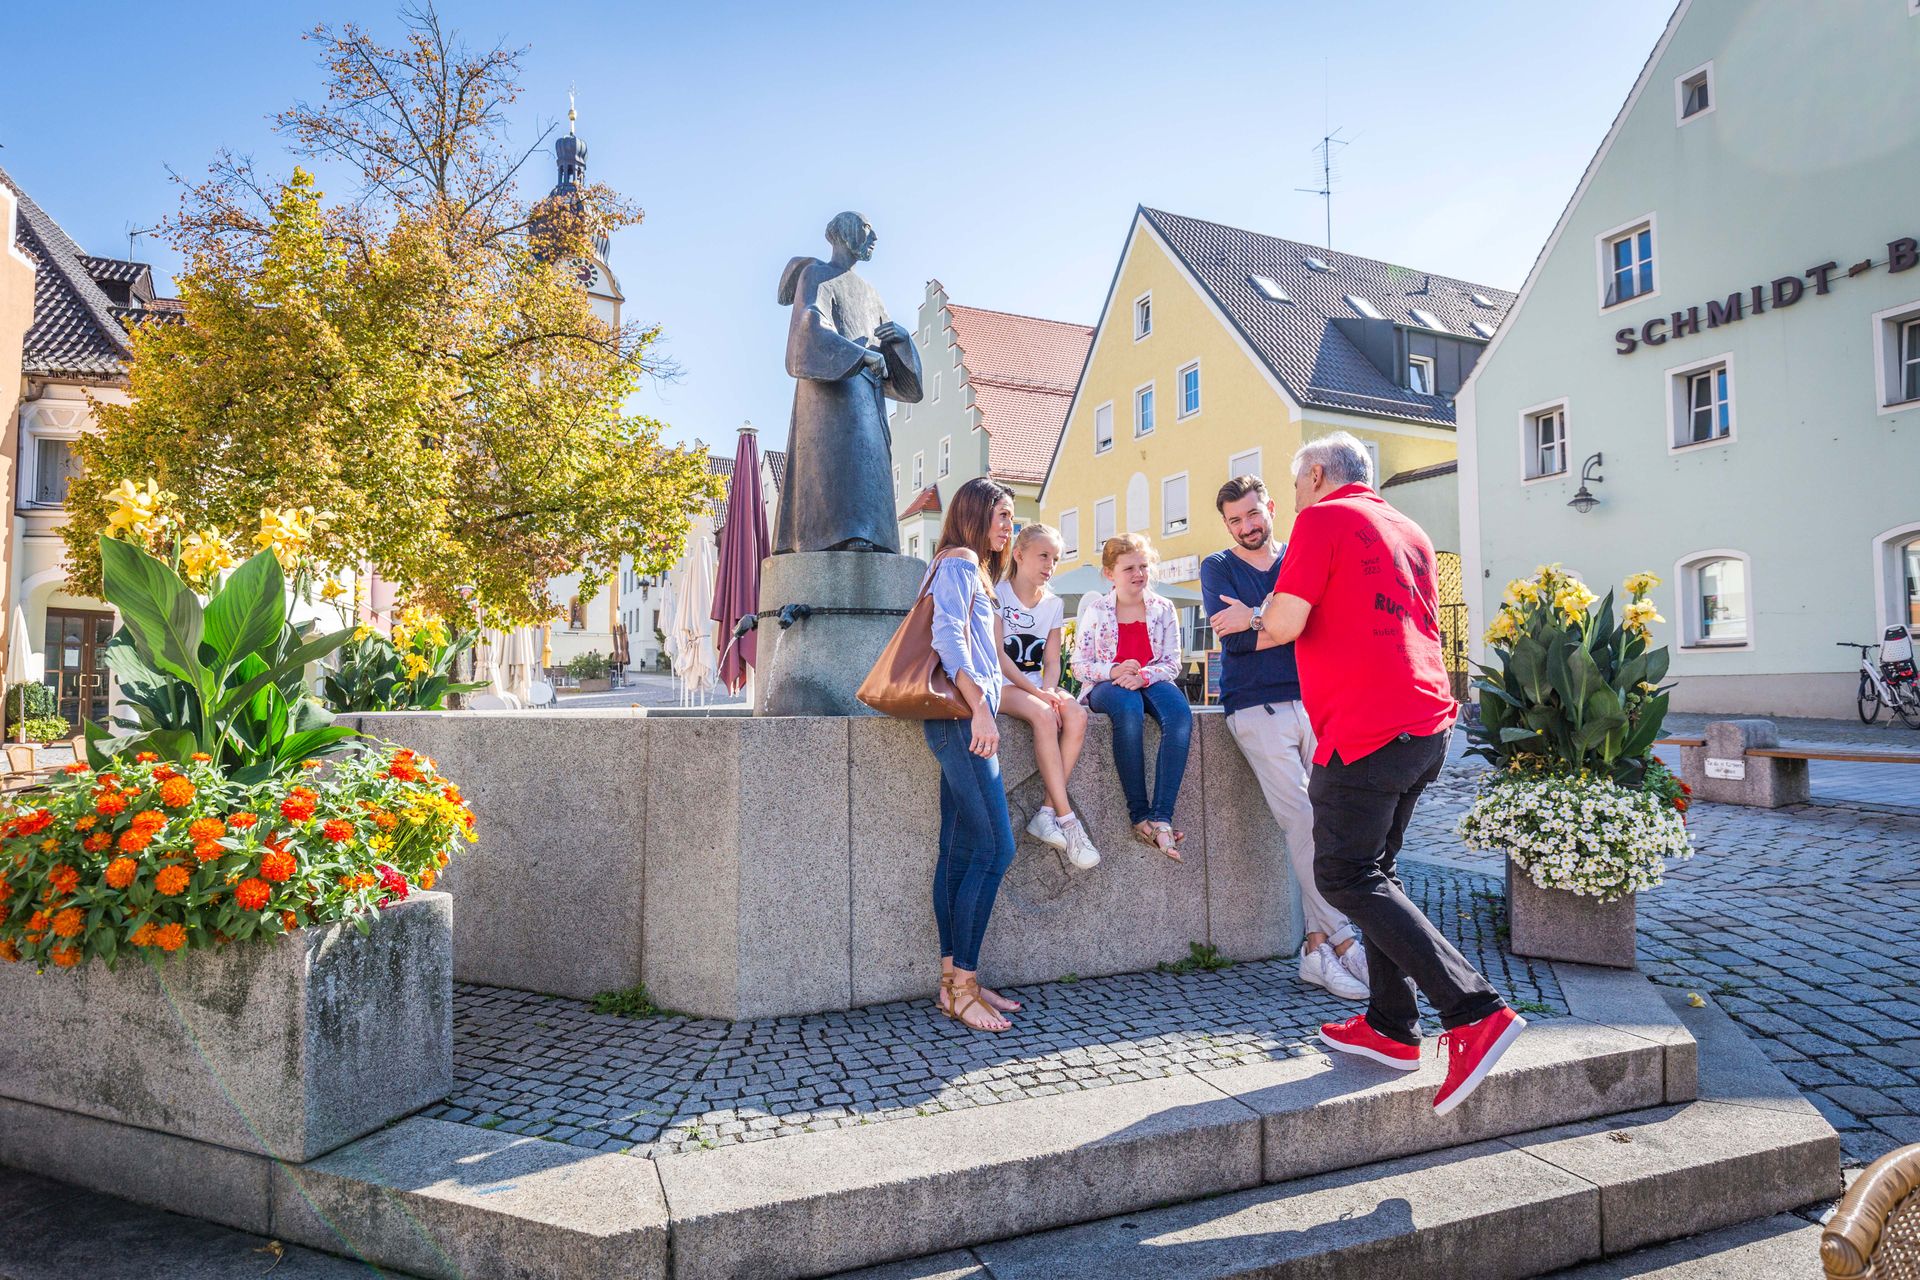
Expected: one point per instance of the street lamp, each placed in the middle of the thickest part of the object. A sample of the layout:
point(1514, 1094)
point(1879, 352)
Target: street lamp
point(1583, 500)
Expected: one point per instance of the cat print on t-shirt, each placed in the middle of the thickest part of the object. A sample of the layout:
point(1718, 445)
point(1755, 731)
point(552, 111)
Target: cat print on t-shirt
point(1025, 630)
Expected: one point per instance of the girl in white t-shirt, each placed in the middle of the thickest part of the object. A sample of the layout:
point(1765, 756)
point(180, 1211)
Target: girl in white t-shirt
point(1031, 619)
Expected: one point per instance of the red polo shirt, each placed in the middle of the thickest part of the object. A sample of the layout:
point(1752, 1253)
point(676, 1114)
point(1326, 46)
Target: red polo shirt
point(1370, 662)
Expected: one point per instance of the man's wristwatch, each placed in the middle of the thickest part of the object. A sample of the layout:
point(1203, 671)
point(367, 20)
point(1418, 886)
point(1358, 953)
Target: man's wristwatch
point(1255, 623)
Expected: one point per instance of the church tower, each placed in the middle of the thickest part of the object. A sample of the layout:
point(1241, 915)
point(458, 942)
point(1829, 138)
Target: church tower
point(570, 155)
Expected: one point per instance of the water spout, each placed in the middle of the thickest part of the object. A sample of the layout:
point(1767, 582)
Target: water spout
point(792, 613)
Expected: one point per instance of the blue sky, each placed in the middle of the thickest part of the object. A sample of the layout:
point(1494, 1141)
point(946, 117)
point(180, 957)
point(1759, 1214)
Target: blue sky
point(998, 147)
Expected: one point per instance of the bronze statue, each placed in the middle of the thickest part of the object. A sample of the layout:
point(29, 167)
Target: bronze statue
point(847, 359)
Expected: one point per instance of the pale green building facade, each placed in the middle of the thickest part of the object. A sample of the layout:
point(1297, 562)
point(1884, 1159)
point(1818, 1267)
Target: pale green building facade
point(1729, 314)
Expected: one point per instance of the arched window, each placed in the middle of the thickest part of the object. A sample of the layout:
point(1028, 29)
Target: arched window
point(1908, 570)
point(1715, 606)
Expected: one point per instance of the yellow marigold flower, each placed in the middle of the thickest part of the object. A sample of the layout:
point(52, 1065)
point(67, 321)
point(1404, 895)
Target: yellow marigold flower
point(204, 556)
point(286, 532)
point(1503, 629)
point(137, 514)
point(1642, 612)
point(400, 636)
point(1522, 591)
point(1639, 584)
point(1573, 600)
point(416, 666)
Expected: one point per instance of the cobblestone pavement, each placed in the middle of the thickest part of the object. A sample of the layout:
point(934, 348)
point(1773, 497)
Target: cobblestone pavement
point(1803, 923)
point(553, 1068)
point(644, 689)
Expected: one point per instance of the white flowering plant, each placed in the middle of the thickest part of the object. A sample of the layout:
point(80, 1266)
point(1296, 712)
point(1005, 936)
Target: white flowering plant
point(1582, 833)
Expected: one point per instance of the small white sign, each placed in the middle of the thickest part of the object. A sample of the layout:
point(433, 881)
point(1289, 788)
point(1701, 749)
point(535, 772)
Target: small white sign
point(1178, 569)
point(1734, 770)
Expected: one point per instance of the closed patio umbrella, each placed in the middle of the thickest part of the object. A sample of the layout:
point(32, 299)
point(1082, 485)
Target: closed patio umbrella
point(20, 671)
point(743, 545)
point(1088, 580)
point(693, 657)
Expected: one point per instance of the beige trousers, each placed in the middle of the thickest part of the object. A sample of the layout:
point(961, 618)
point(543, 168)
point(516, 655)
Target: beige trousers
point(1277, 741)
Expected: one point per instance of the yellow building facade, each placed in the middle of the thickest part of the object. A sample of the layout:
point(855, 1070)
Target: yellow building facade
point(1176, 398)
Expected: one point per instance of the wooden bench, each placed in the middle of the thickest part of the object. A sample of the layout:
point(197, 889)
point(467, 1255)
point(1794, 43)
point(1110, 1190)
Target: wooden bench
point(1744, 762)
point(1851, 757)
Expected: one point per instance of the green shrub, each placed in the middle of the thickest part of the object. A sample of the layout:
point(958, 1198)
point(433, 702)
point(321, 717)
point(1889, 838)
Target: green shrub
point(41, 702)
point(48, 729)
point(591, 665)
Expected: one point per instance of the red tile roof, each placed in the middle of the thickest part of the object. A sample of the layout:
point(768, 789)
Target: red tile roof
point(1023, 371)
point(926, 502)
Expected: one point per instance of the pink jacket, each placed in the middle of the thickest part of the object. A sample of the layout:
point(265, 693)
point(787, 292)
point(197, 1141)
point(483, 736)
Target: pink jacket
point(1097, 635)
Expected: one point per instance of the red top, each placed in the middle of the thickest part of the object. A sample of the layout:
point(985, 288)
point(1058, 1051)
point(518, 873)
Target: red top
point(1370, 661)
point(1134, 642)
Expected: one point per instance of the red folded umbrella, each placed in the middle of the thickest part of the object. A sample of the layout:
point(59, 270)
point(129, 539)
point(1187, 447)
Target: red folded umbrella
point(743, 545)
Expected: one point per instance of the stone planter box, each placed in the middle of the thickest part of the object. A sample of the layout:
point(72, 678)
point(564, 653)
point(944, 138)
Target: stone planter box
point(1554, 924)
point(286, 1048)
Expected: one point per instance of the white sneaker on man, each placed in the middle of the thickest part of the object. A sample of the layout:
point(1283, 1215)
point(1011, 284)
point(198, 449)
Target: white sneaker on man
point(1080, 850)
point(1045, 828)
point(1321, 967)
point(1354, 961)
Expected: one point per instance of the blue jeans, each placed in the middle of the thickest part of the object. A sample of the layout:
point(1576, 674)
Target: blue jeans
point(976, 841)
point(1129, 709)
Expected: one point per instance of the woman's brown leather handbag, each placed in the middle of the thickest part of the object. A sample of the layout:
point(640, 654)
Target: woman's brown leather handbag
point(907, 681)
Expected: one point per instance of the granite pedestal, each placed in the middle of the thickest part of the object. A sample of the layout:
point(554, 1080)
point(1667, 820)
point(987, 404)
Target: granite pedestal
point(1723, 772)
point(1558, 924)
point(856, 601)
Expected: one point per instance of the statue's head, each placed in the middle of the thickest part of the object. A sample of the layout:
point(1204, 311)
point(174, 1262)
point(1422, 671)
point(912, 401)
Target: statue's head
point(853, 233)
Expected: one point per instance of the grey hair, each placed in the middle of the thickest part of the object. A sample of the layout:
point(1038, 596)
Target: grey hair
point(1341, 455)
point(844, 228)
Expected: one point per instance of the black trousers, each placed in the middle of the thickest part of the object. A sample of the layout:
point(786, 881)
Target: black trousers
point(1360, 813)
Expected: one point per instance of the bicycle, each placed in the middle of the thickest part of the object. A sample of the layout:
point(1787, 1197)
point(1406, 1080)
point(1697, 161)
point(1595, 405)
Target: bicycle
point(1890, 682)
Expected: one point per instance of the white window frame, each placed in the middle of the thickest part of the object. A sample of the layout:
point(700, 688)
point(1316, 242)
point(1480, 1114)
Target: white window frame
point(1112, 504)
point(1680, 115)
point(946, 457)
point(1887, 329)
point(913, 545)
point(1887, 576)
point(1234, 471)
point(1186, 500)
point(936, 386)
point(1680, 404)
point(1143, 305)
point(36, 425)
point(1432, 367)
point(1148, 388)
point(1373, 459)
point(1107, 409)
point(1686, 598)
point(1528, 417)
point(1603, 258)
point(919, 471)
point(1070, 547)
point(1180, 391)
point(896, 480)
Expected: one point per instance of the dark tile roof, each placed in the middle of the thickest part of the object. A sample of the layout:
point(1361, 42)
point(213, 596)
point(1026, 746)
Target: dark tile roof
point(118, 270)
point(776, 460)
point(1422, 473)
point(74, 332)
point(1297, 340)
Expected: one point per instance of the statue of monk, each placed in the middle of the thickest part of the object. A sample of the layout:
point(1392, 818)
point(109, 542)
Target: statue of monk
point(847, 360)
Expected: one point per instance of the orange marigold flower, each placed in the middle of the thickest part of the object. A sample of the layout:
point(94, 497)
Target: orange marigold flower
point(164, 772)
point(110, 804)
point(37, 925)
point(252, 894)
point(241, 821)
point(149, 820)
point(172, 880)
point(32, 824)
point(63, 878)
point(85, 822)
point(289, 921)
point(171, 937)
point(299, 805)
point(96, 842)
point(121, 871)
point(133, 840)
point(312, 764)
point(337, 830)
point(49, 844)
point(146, 757)
point(201, 757)
point(66, 957)
point(441, 859)
point(427, 878)
point(206, 829)
point(8, 951)
point(208, 850)
point(278, 866)
point(176, 792)
point(76, 767)
point(386, 821)
point(143, 936)
point(68, 923)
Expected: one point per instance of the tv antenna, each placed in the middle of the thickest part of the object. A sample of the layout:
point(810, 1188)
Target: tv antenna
point(1329, 174)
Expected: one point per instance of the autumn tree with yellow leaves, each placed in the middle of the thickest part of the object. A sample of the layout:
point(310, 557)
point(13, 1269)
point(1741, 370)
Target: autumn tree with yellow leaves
point(417, 361)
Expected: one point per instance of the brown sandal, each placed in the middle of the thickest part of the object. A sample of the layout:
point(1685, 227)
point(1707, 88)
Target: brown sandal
point(1160, 837)
point(965, 995)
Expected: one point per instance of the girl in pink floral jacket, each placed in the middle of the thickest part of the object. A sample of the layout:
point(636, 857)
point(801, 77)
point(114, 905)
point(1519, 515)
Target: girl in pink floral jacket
point(1126, 655)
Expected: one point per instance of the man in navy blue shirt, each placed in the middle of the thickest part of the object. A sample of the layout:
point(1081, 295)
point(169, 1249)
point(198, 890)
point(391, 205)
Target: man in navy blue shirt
point(1260, 692)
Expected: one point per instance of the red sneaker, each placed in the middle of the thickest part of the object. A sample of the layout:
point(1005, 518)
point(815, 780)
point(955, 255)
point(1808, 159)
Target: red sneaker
point(1356, 1037)
point(1471, 1052)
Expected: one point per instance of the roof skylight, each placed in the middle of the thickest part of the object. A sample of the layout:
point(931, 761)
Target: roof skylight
point(1481, 300)
point(1365, 308)
point(1318, 264)
point(1270, 287)
point(1426, 319)
point(1482, 328)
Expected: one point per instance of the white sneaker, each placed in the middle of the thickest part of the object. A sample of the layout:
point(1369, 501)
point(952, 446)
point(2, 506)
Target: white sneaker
point(1080, 850)
point(1045, 828)
point(1354, 961)
point(1322, 968)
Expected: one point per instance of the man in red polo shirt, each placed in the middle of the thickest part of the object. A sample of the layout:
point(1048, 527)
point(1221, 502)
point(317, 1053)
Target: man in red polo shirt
point(1356, 596)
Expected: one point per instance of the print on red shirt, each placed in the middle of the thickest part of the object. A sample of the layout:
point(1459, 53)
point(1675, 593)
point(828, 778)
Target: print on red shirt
point(1371, 665)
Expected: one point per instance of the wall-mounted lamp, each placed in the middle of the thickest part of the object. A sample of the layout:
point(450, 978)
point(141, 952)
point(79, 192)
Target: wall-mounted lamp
point(1583, 500)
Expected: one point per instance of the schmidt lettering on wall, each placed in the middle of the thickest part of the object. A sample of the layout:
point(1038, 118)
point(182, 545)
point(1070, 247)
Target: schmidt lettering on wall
point(1783, 291)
